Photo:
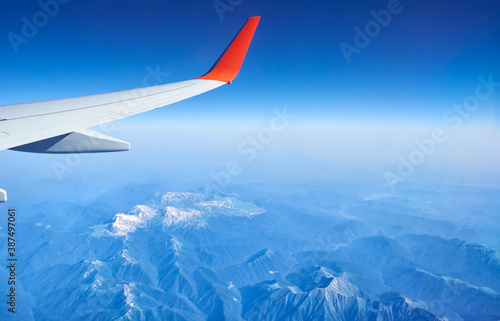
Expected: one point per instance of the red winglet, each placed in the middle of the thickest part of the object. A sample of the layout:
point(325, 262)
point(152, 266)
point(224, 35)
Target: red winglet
point(229, 64)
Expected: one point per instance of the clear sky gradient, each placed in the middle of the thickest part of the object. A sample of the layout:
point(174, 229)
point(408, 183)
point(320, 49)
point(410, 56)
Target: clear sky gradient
point(428, 57)
point(416, 64)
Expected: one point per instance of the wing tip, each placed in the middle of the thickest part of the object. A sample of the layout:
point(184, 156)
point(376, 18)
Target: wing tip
point(229, 63)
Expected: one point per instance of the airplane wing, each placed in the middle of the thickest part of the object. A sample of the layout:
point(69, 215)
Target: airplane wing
point(61, 126)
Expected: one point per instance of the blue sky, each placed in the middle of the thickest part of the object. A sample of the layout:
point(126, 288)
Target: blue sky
point(366, 113)
point(427, 58)
point(353, 120)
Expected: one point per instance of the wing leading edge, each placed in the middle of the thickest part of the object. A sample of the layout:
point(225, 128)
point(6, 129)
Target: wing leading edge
point(61, 126)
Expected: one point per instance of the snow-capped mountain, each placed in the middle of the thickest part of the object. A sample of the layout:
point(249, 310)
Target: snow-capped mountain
point(208, 255)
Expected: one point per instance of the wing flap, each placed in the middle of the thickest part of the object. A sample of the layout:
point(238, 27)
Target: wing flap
point(85, 141)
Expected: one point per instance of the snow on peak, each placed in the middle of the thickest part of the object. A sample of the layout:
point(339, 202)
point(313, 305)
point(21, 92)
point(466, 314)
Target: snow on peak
point(126, 255)
point(92, 268)
point(174, 198)
point(144, 212)
point(228, 206)
point(173, 208)
point(125, 224)
point(176, 245)
point(127, 291)
point(138, 217)
point(343, 287)
point(185, 207)
point(129, 299)
point(175, 216)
